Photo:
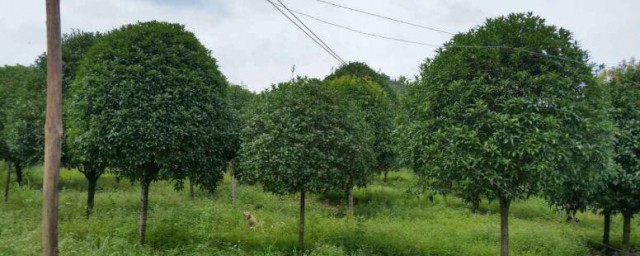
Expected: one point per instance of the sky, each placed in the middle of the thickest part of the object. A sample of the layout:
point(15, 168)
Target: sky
point(256, 46)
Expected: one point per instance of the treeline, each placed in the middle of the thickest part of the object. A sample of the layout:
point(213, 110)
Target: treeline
point(508, 110)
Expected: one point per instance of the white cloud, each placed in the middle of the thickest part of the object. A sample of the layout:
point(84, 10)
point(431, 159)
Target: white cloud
point(255, 45)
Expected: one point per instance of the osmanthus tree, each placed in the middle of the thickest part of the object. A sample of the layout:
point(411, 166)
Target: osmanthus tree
point(77, 155)
point(493, 121)
point(386, 157)
point(623, 189)
point(23, 105)
point(149, 99)
point(303, 138)
point(588, 144)
point(74, 155)
point(238, 99)
point(378, 113)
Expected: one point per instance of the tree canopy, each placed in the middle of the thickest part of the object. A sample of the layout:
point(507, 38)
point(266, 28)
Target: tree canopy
point(149, 99)
point(495, 122)
point(622, 188)
point(378, 112)
point(302, 137)
point(22, 112)
point(363, 71)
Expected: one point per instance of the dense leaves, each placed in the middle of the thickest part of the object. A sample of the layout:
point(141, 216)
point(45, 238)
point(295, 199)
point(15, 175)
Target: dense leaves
point(363, 71)
point(22, 114)
point(502, 122)
point(624, 84)
point(492, 121)
point(238, 99)
point(148, 100)
point(369, 97)
point(302, 136)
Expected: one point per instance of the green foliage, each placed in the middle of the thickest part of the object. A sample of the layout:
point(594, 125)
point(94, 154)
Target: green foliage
point(303, 137)
point(148, 100)
point(623, 188)
point(378, 113)
point(588, 148)
point(496, 122)
point(363, 71)
point(238, 99)
point(22, 104)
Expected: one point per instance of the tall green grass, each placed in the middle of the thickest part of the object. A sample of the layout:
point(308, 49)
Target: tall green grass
point(388, 220)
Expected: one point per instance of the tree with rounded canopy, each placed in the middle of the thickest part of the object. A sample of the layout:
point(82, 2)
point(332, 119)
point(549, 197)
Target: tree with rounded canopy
point(74, 47)
point(23, 105)
point(81, 156)
point(148, 101)
point(623, 187)
point(238, 100)
point(359, 70)
point(494, 122)
point(362, 70)
point(369, 97)
point(303, 138)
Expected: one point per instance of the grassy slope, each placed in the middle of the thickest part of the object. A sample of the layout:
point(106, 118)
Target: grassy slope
point(388, 221)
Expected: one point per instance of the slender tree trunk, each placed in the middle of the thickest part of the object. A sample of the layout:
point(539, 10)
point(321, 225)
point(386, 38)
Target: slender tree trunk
point(91, 192)
point(19, 174)
point(350, 196)
point(626, 234)
point(504, 226)
point(232, 181)
point(301, 226)
point(191, 192)
point(142, 217)
point(475, 205)
point(385, 175)
point(7, 182)
point(53, 132)
point(607, 231)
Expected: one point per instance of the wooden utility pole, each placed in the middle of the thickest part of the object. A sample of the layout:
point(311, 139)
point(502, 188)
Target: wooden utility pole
point(53, 132)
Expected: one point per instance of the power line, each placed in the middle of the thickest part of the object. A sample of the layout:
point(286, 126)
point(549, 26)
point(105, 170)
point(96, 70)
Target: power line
point(307, 33)
point(387, 18)
point(314, 34)
point(433, 45)
point(362, 32)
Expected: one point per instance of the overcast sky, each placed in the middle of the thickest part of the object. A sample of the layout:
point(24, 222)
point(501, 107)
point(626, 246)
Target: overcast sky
point(255, 45)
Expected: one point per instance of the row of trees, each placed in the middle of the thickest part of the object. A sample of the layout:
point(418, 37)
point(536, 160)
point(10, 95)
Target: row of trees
point(147, 102)
point(508, 110)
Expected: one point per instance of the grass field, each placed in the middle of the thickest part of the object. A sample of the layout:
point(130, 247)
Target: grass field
point(387, 221)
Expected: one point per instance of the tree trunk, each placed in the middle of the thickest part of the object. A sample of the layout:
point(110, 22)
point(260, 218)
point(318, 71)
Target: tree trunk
point(385, 175)
point(191, 192)
point(607, 231)
point(350, 196)
point(93, 182)
point(475, 205)
point(53, 132)
point(19, 174)
point(301, 226)
point(504, 226)
point(8, 182)
point(232, 181)
point(142, 217)
point(626, 234)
